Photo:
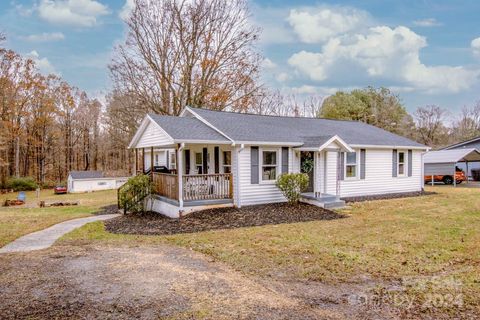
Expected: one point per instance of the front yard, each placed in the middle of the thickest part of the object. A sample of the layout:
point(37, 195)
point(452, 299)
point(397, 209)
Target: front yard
point(423, 250)
point(21, 220)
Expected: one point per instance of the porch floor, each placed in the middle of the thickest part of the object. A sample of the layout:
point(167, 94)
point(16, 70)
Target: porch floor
point(193, 203)
point(323, 200)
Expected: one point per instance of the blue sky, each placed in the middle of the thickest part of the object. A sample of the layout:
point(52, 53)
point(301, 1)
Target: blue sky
point(423, 50)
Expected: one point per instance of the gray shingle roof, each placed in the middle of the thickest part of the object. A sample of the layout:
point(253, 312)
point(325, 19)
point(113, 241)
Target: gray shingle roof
point(184, 128)
point(86, 174)
point(256, 128)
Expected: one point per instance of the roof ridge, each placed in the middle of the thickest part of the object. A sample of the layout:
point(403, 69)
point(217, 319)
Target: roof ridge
point(277, 116)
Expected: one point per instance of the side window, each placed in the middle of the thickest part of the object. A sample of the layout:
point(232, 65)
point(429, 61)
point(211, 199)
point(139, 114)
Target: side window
point(199, 162)
point(351, 165)
point(156, 160)
point(227, 161)
point(173, 160)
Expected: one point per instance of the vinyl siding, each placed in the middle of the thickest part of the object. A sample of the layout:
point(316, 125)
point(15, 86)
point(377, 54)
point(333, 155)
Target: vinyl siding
point(331, 172)
point(153, 136)
point(162, 158)
point(379, 178)
point(251, 194)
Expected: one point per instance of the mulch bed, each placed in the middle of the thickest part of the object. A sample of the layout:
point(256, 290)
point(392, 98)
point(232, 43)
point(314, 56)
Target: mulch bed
point(220, 218)
point(389, 196)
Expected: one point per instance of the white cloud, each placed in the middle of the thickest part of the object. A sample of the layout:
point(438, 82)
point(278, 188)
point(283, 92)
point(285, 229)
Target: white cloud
point(429, 22)
point(126, 9)
point(268, 64)
point(315, 25)
point(79, 13)
point(382, 53)
point(475, 44)
point(45, 37)
point(282, 77)
point(43, 64)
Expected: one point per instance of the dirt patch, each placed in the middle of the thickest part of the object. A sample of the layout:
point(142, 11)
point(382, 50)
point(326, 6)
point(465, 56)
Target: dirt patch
point(111, 209)
point(150, 282)
point(220, 218)
point(389, 196)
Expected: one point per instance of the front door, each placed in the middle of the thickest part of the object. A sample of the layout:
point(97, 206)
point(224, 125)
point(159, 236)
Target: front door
point(307, 166)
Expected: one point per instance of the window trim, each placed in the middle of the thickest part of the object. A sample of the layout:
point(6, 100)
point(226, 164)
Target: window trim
point(261, 165)
point(405, 163)
point(357, 166)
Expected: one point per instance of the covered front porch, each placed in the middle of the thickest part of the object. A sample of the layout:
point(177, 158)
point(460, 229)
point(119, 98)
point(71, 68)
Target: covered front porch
point(187, 177)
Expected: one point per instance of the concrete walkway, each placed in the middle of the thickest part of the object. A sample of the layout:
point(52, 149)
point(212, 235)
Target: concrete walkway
point(45, 238)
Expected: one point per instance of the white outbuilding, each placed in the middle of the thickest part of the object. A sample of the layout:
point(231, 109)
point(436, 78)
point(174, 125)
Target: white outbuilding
point(444, 162)
point(88, 181)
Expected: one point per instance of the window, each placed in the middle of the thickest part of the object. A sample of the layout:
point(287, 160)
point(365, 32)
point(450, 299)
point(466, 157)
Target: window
point(173, 160)
point(269, 165)
point(227, 161)
point(350, 164)
point(199, 162)
point(156, 160)
point(102, 183)
point(401, 163)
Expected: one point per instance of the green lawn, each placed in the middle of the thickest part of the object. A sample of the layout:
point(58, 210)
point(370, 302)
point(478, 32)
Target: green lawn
point(387, 241)
point(18, 221)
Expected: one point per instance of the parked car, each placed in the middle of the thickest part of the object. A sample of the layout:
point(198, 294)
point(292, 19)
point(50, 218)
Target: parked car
point(447, 179)
point(60, 190)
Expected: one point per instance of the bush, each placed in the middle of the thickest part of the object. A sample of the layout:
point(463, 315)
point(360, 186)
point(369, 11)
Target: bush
point(132, 193)
point(22, 184)
point(292, 185)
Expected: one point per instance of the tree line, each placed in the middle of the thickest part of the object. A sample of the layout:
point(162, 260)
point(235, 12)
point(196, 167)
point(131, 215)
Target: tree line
point(48, 127)
point(201, 53)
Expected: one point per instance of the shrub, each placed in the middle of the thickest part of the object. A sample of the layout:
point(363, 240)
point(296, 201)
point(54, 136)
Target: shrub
point(292, 185)
point(132, 193)
point(22, 184)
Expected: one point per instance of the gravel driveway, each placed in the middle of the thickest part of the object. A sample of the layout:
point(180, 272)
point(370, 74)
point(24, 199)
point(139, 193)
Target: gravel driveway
point(136, 282)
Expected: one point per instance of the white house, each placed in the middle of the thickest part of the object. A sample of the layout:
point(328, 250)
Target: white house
point(234, 159)
point(87, 181)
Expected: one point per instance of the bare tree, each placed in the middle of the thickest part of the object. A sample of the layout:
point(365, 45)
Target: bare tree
point(430, 125)
point(468, 124)
point(188, 52)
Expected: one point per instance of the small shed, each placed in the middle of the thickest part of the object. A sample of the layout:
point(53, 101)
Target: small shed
point(444, 162)
point(88, 181)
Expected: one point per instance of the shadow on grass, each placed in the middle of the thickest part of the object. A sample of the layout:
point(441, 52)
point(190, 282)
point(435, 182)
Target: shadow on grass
point(220, 218)
point(110, 209)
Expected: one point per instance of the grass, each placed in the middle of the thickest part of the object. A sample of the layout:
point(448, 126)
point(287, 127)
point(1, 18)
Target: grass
point(18, 221)
point(388, 240)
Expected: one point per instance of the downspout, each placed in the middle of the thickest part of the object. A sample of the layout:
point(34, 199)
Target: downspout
point(237, 176)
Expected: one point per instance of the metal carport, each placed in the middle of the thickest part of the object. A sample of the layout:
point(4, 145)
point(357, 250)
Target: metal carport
point(443, 162)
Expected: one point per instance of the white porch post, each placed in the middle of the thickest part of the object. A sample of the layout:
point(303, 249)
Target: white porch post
point(180, 174)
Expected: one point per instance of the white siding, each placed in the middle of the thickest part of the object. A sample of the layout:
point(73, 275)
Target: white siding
point(153, 136)
point(162, 158)
point(92, 185)
point(294, 161)
point(331, 172)
point(378, 176)
point(255, 193)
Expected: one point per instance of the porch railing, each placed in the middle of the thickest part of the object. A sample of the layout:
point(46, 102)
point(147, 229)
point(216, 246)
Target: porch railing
point(207, 186)
point(195, 187)
point(165, 185)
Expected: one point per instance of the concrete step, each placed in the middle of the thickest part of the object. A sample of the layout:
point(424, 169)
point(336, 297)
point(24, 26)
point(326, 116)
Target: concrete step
point(334, 204)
